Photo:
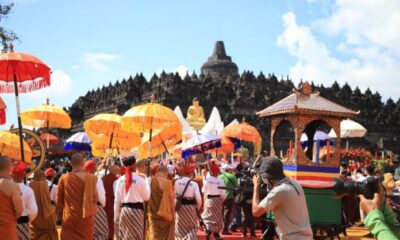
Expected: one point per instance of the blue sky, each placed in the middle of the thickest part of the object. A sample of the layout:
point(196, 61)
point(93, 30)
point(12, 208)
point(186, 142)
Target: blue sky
point(91, 43)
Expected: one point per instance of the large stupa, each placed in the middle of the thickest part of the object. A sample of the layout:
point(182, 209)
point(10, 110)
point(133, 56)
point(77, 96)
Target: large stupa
point(219, 64)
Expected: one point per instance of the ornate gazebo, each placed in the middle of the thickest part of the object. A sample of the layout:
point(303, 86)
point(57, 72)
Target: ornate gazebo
point(306, 112)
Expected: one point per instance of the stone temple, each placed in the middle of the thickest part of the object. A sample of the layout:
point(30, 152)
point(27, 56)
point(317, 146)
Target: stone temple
point(236, 96)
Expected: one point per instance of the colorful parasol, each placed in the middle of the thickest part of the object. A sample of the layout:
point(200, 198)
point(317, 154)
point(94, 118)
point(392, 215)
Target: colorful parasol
point(200, 143)
point(147, 118)
point(227, 146)
point(163, 140)
point(244, 132)
point(3, 109)
point(78, 142)
point(9, 146)
point(50, 138)
point(21, 73)
point(105, 130)
point(46, 116)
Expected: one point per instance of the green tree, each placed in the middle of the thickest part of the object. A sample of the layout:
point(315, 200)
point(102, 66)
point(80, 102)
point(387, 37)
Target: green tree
point(7, 36)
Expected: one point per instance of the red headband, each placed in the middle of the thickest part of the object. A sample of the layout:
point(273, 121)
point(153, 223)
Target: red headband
point(90, 166)
point(19, 170)
point(50, 172)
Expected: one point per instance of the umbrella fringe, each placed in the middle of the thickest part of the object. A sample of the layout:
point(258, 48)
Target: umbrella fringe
point(27, 86)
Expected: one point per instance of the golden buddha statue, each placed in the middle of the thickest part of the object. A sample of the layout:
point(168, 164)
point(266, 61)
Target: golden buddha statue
point(195, 115)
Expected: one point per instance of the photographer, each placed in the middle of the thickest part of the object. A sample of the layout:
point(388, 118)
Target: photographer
point(380, 219)
point(286, 200)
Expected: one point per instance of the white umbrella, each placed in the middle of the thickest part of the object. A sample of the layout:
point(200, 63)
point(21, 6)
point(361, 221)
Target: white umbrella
point(199, 143)
point(349, 129)
point(79, 142)
point(318, 136)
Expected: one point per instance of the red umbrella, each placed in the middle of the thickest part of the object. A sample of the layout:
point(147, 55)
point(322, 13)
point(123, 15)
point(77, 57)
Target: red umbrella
point(3, 109)
point(21, 72)
point(53, 140)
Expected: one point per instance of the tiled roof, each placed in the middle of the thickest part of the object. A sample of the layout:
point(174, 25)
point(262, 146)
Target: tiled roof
point(307, 104)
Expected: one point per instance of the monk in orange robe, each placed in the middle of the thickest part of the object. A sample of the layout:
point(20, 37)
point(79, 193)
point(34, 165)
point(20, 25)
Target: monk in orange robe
point(44, 225)
point(108, 181)
point(77, 196)
point(11, 206)
point(161, 201)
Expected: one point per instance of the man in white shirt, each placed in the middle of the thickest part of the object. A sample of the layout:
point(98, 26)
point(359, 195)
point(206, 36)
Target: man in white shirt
point(28, 197)
point(213, 201)
point(50, 174)
point(131, 191)
point(186, 214)
point(286, 200)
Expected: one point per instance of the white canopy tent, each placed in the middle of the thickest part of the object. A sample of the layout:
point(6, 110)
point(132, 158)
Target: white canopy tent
point(214, 124)
point(186, 129)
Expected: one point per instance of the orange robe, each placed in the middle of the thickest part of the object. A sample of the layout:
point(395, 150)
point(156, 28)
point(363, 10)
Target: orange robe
point(44, 225)
point(8, 220)
point(78, 198)
point(158, 227)
point(108, 182)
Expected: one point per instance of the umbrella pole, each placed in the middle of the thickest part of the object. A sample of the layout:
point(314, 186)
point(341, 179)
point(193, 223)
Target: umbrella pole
point(21, 143)
point(166, 149)
point(109, 145)
point(149, 157)
point(47, 137)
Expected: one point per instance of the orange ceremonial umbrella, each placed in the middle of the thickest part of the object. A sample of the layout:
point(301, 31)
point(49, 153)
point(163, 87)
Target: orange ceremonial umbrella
point(46, 116)
point(21, 73)
point(105, 130)
point(9, 146)
point(244, 132)
point(163, 140)
point(147, 118)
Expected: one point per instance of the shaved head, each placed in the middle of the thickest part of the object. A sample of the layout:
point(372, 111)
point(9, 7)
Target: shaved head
point(77, 159)
point(5, 163)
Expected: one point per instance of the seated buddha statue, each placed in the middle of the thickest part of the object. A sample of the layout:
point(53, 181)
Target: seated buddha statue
point(195, 115)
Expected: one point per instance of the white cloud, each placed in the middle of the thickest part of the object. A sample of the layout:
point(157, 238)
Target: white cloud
point(97, 61)
point(367, 37)
point(61, 86)
point(181, 70)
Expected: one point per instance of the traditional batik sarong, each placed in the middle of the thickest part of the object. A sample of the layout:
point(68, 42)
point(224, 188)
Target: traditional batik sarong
point(131, 224)
point(212, 215)
point(186, 223)
point(100, 225)
point(23, 231)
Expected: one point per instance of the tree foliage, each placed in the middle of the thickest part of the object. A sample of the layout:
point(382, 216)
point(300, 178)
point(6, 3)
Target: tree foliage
point(7, 36)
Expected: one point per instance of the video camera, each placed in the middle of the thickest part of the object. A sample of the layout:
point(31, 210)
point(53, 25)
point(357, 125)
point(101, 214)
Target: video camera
point(367, 188)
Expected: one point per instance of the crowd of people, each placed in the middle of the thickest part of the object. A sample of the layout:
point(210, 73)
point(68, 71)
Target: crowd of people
point(91, 200)
point(136, 199)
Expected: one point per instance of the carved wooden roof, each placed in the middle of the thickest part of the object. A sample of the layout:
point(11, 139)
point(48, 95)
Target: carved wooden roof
point(305, 102)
